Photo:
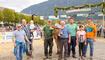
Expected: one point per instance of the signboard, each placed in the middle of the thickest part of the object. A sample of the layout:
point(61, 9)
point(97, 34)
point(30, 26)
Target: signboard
point(84, 15)
point(54, 17)
point(63, 16)
point(6, 36)
point(78, 10)
point(100, 14)
point(42, 17)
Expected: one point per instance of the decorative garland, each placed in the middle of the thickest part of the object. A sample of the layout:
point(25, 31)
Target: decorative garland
point(79, 7)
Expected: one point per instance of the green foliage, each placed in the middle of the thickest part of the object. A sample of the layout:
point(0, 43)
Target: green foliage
point(1, 16)
point(37, 20)
point(9, 16)
point(16, 18)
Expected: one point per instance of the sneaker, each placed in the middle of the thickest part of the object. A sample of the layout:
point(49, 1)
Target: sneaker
point(91, 56)
point(74, 56)
point(57, 53)
point(84, 55)
point(50, 54)
point(46, 57)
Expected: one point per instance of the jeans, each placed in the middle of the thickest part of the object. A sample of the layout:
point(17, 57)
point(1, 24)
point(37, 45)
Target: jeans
point(63, 43)
point(73, 44)
point(19, 51)
point(26, 46)
point(91, 43)
point(29, 46)
point(48, 43)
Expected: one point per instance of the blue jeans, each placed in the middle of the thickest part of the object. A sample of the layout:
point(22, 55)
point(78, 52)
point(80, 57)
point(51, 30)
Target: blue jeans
point(19, 51)
point(73, 45)
point(91, 43)
point(30, 48)
point(26, 46)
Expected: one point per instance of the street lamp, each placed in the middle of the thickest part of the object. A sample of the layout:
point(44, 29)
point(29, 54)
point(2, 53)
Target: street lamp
point(33, 16)
point(103, 17)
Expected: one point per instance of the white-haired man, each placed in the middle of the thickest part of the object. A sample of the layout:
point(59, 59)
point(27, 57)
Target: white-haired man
point(64, 40)
point(26, 28)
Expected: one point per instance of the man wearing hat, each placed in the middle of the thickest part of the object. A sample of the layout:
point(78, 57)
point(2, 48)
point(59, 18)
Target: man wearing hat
point(18, 38)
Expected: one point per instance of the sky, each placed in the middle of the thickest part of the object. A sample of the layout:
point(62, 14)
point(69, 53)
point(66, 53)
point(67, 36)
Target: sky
point(18, 5)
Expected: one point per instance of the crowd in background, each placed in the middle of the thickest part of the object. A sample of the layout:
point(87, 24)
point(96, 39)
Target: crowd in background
point(10, 28)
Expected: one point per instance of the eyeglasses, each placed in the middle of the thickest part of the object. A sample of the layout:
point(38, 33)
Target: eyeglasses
point(19, 26)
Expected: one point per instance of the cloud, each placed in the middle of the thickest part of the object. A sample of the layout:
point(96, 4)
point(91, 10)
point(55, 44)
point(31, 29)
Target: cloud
point(18, 5)
point(1, 0)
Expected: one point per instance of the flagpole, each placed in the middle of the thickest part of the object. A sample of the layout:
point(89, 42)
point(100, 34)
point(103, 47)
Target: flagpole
point(103, 17)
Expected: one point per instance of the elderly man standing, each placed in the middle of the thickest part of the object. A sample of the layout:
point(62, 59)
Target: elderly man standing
point(91, 34)
point(73, 29)
point(26, 28)
point(64, 40)
point(48, 39)
point(18, 38)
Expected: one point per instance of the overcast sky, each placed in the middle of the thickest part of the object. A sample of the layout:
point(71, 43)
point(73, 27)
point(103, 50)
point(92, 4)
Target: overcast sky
point(18, 5)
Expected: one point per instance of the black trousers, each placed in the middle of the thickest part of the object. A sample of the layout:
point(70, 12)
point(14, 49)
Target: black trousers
point(48, 45)
point(81, 49)
point(73, 45)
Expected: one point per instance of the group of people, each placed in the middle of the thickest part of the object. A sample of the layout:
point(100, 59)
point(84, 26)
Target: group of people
point(70, 36)
point(7, 28)
point(22, 39)
point(99, 30)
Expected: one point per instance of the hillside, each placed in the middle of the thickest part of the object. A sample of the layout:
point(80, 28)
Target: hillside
point(47, 8)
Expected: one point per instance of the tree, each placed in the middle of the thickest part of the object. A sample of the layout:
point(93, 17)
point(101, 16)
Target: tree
point(1, 16)
point(17, 18)
point(9, 16)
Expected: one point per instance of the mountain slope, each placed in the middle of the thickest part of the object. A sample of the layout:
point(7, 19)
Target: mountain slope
point(47, 8)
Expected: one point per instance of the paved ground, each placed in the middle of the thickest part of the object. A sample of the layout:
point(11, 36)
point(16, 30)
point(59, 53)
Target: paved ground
point(7, 53)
